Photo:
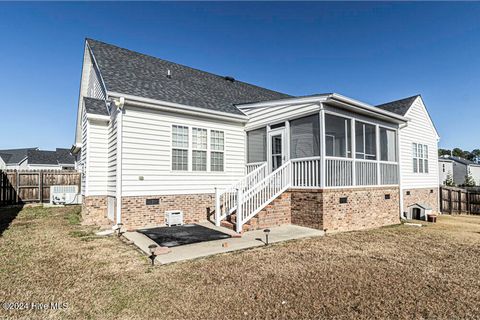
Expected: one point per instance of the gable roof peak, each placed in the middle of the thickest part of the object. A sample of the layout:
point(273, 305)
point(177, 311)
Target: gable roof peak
point(401, 106)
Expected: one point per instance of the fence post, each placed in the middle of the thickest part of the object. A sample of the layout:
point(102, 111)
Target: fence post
point(239, 223)
point(450, 202)
point(40, 186)
point(217, 207)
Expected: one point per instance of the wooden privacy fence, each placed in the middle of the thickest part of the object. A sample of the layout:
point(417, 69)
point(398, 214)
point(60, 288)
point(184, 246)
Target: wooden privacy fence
point(457, 200)
point(30, 186)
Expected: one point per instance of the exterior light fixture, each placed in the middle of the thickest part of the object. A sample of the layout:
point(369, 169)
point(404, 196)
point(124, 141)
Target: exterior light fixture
point(266, 231)
point(152, 249)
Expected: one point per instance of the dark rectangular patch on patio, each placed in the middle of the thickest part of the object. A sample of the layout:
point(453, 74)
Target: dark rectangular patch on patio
point(181, 235)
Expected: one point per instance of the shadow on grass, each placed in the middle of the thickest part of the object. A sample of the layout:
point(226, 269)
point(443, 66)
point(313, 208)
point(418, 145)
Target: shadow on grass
point(7, 215)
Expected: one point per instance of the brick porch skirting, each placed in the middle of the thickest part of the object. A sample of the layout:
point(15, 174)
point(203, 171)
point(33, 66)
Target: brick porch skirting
point(363, 208)
point(424, 195)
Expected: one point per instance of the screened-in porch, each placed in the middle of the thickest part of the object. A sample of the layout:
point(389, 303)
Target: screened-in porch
point(328, 149)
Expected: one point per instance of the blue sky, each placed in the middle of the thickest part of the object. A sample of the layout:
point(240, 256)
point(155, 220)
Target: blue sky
point(374, 52)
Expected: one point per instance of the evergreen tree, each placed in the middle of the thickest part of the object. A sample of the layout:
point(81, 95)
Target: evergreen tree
point(449, 181)
point(469, 181)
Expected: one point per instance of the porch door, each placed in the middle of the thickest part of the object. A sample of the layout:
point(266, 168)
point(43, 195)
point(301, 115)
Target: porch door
point(276, 148)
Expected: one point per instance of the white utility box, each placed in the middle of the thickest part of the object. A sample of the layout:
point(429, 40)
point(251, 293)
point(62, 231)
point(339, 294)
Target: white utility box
point(174, 218)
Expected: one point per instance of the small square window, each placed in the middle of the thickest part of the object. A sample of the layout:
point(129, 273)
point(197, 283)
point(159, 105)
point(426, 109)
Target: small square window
point(343, 199)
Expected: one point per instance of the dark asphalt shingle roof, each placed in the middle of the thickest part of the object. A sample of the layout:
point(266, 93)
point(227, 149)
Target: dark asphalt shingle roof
point(399, 106)
point(14, 155)
point(59, 156)
point(95, 106)
point(462, 160)
point(133, 73)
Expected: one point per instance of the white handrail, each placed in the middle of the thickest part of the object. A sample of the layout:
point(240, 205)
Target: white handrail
point(256, 198)
point(226, 200)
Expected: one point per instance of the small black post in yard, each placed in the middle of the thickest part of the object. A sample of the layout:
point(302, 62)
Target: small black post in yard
point(152, 249)
point(267, 231)
point(119, 229)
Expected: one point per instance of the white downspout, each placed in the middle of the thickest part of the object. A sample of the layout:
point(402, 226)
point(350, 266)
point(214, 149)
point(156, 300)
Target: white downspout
point(400, 168)
point(120, 103)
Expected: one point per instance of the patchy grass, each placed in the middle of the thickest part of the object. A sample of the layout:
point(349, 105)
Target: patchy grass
point(396, 272)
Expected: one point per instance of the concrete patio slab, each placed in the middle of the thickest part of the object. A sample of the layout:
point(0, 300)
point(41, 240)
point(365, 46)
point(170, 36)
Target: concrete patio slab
point(248, 240)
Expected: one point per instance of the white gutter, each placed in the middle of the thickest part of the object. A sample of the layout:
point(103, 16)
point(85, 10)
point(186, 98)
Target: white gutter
point(178, 108)
point(92, 116)
point(120, 103)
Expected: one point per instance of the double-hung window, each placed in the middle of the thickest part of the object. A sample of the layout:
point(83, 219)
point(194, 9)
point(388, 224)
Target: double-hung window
point(179, 148)
point(204, 146)
point(420, 158)
point(217, 146)
point(199, 149)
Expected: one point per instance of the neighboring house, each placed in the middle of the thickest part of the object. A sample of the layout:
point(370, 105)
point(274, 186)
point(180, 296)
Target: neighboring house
point(33, 158)
point(461, 167)
point(155, 136)
point(11, 158)
point(445, 168)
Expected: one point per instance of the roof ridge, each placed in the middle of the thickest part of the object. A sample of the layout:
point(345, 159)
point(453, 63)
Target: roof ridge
point(185, 66)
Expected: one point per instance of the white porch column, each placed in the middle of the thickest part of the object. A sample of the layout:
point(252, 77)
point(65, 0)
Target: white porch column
point(322, 147)
point(353, 151)
point(377, 141)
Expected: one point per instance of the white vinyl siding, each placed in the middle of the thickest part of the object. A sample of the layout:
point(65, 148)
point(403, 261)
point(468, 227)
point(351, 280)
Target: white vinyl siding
point(83, 152)
point(147, 151)
point(97, 158)
point(420, 131)
point(112, 156)
point(95, 87)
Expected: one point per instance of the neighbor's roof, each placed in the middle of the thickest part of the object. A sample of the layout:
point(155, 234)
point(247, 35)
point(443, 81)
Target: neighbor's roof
point(133, 73)
point(399, 106)
point(59, 156)
point(95, 106)
point(463, 161)
point(14, 156)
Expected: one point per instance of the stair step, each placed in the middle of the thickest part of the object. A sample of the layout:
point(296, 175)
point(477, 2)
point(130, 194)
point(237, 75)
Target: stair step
point(232, 226)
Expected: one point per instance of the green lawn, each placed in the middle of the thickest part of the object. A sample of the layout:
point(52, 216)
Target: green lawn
point(395, 272)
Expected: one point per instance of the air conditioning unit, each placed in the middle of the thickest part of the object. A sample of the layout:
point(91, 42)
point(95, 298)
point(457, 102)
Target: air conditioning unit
point(174, 218)
point(64, 195)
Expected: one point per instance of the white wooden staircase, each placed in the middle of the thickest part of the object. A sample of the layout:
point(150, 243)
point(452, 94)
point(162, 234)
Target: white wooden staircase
point(240, 202)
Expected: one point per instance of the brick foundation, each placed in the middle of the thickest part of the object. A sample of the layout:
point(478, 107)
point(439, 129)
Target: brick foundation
point(276, 213)
point(424, 195)
point(137, 214)
point(365, 208)
point(94, 211)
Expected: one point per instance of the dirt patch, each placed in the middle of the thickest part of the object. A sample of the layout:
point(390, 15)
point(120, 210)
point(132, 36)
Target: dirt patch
point(394, 272)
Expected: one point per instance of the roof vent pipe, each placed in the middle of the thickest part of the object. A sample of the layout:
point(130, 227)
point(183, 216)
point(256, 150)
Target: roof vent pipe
point(228, 78)
point(169, 74)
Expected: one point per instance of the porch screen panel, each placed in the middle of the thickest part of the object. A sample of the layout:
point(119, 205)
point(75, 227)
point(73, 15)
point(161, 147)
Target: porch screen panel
point(257, 145)
point(305, 137)
point(388, 145)
point(337, 136)
point(365, 141)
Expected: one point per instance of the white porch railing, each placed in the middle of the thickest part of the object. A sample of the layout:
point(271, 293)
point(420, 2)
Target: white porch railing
point(226, 200)
point(388, 173)
point(256, 198)
point(338, 172)
point(254, 165)
point(366, 173)
point(257, 189)
point(306, 172)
